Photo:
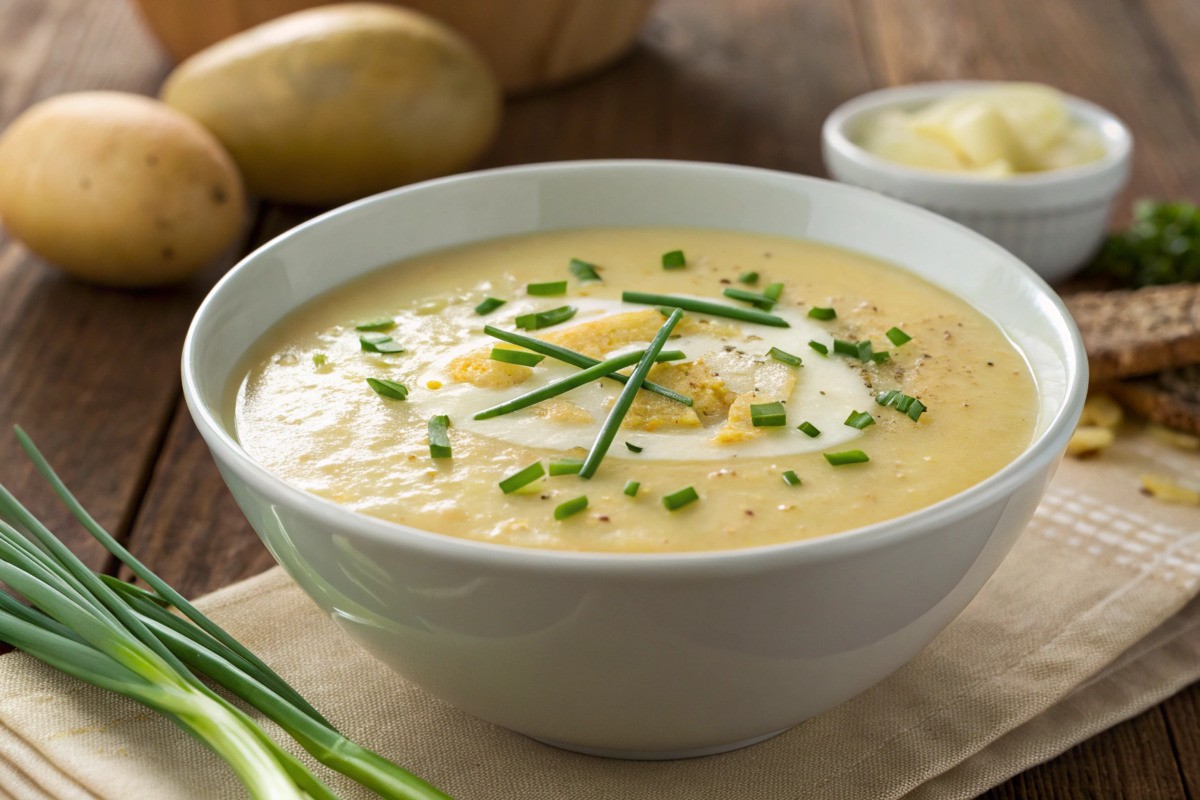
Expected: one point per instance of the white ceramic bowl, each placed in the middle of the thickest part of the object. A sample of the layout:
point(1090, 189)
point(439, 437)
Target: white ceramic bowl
point(638, 655)
point(1053, 221)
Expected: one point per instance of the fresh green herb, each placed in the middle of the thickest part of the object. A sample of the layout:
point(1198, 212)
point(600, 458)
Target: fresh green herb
point(633, 448)
point(546, 289)
point(705, 307)
point(897, 336)
point(585, 272)
point(439, 436)
point(562, 385)
point(674, 260)
point(768, 415)
point(489, 305)
point(520, 357)
point(757, 299)
point(785, 357)
point(390, 389)
point(881, 357)
point(679, 499)
point(544, 319)
point(378, 343)
point(903, 403)
point(820, 348)
point(808, 429)
point(823, 314)
point(846, 457)
point(671, 355)
point(631, 488)
point(522, 478)
point(1161, 245)
point(565, 466)
point(320, 359)
point(859, 419)
point(748, 278)
point(608, 431)
point(774, 291)
point(860, 350)
point(380, 324)
point(571, 507)
point(791, 478)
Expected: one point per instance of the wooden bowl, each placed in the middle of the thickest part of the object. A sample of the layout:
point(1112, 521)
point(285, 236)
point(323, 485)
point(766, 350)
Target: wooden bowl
point(531, 44)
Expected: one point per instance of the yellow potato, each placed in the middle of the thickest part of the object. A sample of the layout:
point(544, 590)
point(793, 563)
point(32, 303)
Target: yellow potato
point(118, 189)
point(337, 102)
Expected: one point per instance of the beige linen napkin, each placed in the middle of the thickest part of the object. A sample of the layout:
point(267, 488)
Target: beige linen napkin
point(1091, 619)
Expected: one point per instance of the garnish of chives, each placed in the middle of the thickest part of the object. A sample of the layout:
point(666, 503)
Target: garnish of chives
point(820, 348)
point(584, 271)
point(846, 457)
point(881, 357)
point(489, 305)
point(633, 448)
point(897, 336)
point(516, 357)
point(320, 359)
point(823, 314)
point(808, 429)
point(674, 260)
point(773, 291)
point(791, 478)
point(859, 419)
point(379, 343)
point(631, 488)
point(544, 319)
point(785, 357)
point(757, 299)
point(522, 478)
point(903, 403)
point(565, 466)
point(578, 359)
point(705, 307)
point(916, 410)
point(768, 415)
point(679, 499)
point(562, 385)
point(379, 324)
point(608, 431)
point(389, 389)
point(748, 278)
point(860, 350)
point(571, 507)
point(439, 436)
point(671, 355)
point(546, 289)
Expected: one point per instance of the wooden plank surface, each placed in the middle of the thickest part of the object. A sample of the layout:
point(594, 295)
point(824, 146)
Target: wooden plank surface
point(93, 373)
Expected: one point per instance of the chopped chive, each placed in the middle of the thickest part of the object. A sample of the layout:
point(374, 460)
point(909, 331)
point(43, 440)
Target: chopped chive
point(768, 415)
point(881, 357)
point(903, 403)
point(860, 350)
point(489, 305)
point(674, 260)
point(756, 299)
point(633, 448)
point(379, 344)
point(677, 500)
point(379, 324)
point(608, 431)
point(748, 278)
point(544, 319)
point(320, 359)
point(785, 357)
point(631, 488)
point(705, 307)
point(547, 289)
point(886, 398)
point(916, 410)
point(389, 389)
point(791, 478)
point(439, 436)
point(565, 466)
point(897, 336)
point(520, 357)
point(571, 507)
point(846, 457)
point(820, 348)
point(823, 314)
point(808, 429)
point(859, 419)
point(584, 271)
point(562, 385)
point(773, 291)
point(522, 478)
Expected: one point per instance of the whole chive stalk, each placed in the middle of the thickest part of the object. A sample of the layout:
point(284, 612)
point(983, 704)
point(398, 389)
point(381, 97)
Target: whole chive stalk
point(756, 299)
point(379, 343)
point(544, 319)
point(571, 507)
point(389, 389)
point(585, 272)
point(633, 448)
point(631, 488)
point(785, 357)
point(791, 478)
point(823, 314)
point(519, 357)
point(768, 415)
point(439, 436)
point(489, 305)
point(522, 478)
point(705, 307)
point(846, 457)
point(547, 289)
point(820, 348)
point(674, 260)
point(608, 431)
point(748, 278)
point(565, 466)
point(679, 499)
point(671, 355)
point(897, 336)
point(859, 420)
point(808, 429)
point(379, 324)
point(561, 386)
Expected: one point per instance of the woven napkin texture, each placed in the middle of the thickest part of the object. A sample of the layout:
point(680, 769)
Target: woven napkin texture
point(1091, 619)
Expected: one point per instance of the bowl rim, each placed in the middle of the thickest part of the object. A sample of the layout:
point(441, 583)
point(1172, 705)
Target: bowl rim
point(1039, 453)
point(1116, 134)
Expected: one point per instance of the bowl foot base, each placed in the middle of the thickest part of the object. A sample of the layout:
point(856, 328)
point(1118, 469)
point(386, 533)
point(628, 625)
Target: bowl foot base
point(661, 755)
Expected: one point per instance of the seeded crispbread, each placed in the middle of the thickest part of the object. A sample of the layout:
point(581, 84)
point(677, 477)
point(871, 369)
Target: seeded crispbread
point(1139, 331)
point(1170, 398)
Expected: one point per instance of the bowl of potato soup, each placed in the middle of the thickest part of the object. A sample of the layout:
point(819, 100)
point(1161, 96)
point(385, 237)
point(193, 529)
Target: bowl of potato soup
point(640, 459)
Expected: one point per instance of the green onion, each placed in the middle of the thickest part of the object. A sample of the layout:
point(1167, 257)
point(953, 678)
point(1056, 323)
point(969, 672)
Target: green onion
point(823, 314)
point(633, 448)
point(705, 307)
point(820, 348)
point(791, 478)
point(565, 466)
point(846, 457)
point(754, 298)
point(439, 436)
point(674, 260)
point(903, 403)
point(748, 278)
point(516, 357)
point(859, 419)
point(860, 350)
point(320, 359)
point(546, 289)
point(785, 357)
point(380, 324)
point(584, 271)
point(562, 385)
point(768, 415)
point(544, 319)
point(385, 388)
point(809, 429)
point(523, 478)
point(579, 359)
point(897, 336)
point(679, 499)
point(379, 344)
point(489, 305)
point(631, 488)
point(571, 507)
point(773, 291)
point(608, 431)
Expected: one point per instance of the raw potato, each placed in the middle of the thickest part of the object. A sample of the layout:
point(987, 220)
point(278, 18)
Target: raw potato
point(118, 189)
point(338, 102)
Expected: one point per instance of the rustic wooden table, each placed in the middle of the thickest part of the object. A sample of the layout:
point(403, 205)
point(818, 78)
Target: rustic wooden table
point(93, 374)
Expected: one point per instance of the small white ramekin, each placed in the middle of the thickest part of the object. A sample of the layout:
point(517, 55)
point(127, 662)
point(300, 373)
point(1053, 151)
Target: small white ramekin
point(1053, 221)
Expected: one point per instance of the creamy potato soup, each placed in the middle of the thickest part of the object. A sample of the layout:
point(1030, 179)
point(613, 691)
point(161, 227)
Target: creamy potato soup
point(803, 390)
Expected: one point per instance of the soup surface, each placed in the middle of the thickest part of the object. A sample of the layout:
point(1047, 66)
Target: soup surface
point(917, 397)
